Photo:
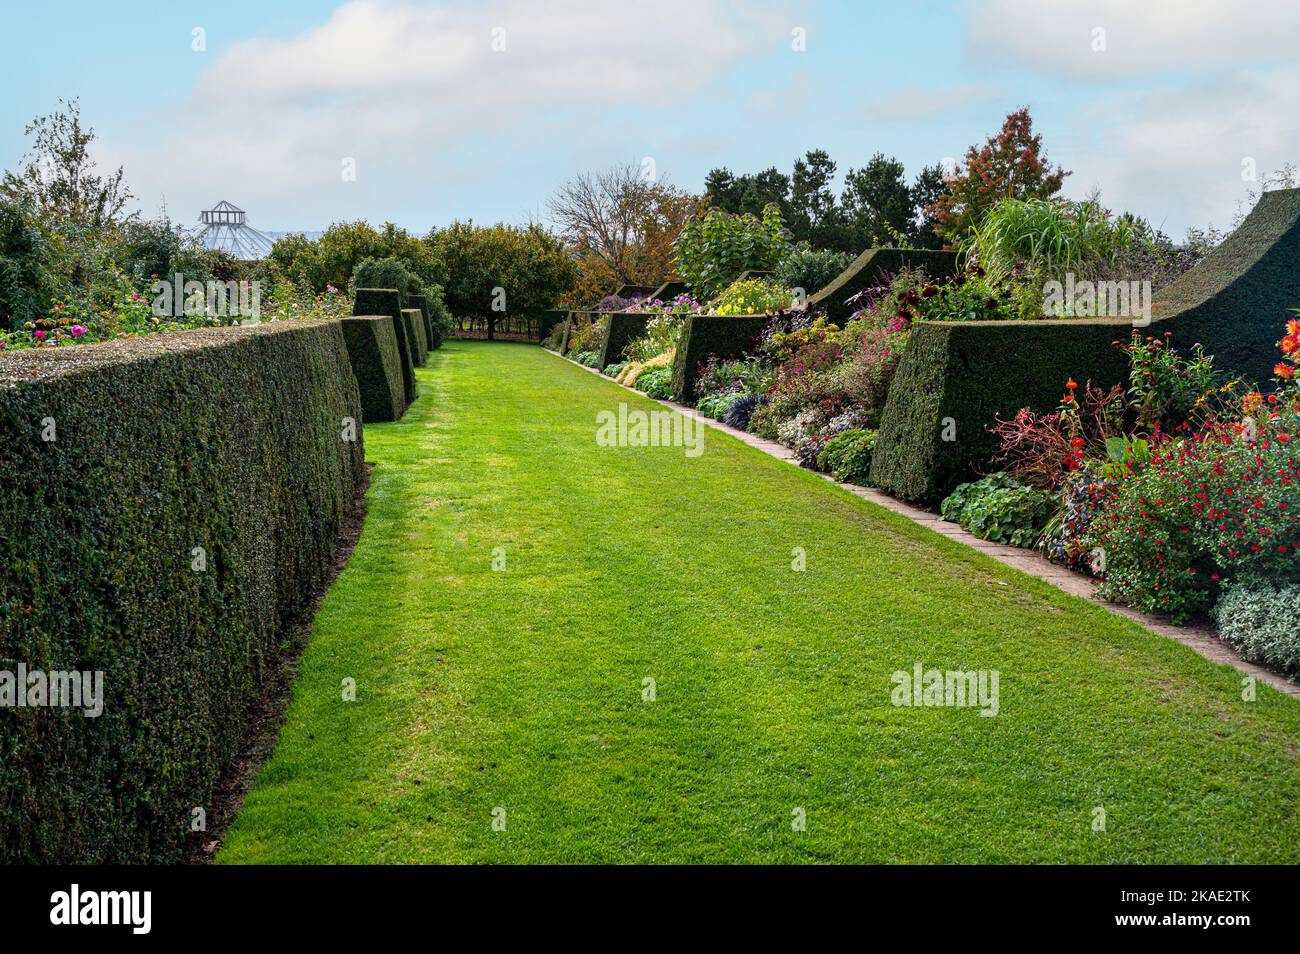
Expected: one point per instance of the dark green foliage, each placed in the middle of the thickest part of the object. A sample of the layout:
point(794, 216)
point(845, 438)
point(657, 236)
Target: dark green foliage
point(712, 336)
point(1000, 509)
point(810, 269)
point(435, 309)
point(25, 286)
point(421, 303)
point(847, 456)
point(416, 336)
point(622, 328)
point(869, 269)
point(230, 440)
point(547, 323)
point(1235, 303)
point(956, 377)
point(669, 290)
point(387, 301)
point(377, 366)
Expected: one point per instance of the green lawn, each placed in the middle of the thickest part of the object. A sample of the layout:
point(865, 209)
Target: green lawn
point(522, 689)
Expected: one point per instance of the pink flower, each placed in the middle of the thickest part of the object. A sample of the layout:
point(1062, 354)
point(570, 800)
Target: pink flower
point(78, 330)
point(40, 335)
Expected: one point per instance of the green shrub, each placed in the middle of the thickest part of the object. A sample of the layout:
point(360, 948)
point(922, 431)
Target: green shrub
point(656, 383)
point(706, 337)
point(810, 269)
point(230, 440)
point(956, 378)
point(25, 286)
point(586, 333)
point(621, 330)
point(754, 296)
point(388, 301)
point(847, 456)
point(586, 358)
point(613, 370)
point(716, 406)
point(372, 351)
point(1000, 509)
point(1261, 618)
point(713, 250)
point(1051, 238)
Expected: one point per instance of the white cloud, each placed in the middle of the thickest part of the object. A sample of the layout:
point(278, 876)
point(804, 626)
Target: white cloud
point(1176, 153)
point(915, 103)
point(418, 95)
point(1141, 37)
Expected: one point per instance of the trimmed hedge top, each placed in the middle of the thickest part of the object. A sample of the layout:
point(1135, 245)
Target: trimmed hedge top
point(168, 504)
point(869, 268)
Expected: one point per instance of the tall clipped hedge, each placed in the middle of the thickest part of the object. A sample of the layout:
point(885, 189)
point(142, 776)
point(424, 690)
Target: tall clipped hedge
point(957, 376)
point(712, 336)
point(621, 329)
point(372, 349)
point(117, 461)
point(866, 271)
point(421, 304)
point(1235, 303)
point(548, 320)
point(386, 301)
point(1237, 299)
point(416, 336)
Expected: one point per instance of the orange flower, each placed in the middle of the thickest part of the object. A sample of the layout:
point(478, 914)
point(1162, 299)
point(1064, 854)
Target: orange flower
point(1284, 371)
point(1290, 344)
point(1071, 384)
point(1293, 327)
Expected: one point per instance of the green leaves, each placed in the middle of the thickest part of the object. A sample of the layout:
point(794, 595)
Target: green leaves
point(713, 250)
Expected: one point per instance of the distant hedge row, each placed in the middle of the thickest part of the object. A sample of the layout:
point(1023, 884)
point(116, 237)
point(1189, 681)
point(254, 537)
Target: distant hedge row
point(387, 301)
point(167, 505)
point(377, 366)
point(417, 335)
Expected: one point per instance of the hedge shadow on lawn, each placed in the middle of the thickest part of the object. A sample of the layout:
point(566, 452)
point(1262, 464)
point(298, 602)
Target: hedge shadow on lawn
point(1235, 302)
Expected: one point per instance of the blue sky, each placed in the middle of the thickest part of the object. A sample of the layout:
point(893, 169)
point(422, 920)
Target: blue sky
point(1162, 110)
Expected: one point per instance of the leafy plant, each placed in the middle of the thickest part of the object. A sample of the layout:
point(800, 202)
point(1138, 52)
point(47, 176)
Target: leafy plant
point(656, 383)
point(999, 508)
point(1261, 618)
point(754, 296)
point(810, 269)
point(847, 456)
point(1050, 238)
point(714, 249)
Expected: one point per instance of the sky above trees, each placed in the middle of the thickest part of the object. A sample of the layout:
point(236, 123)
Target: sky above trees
point(421, 113)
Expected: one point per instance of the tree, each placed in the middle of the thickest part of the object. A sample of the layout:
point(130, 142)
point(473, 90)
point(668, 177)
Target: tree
point(60, 178)
point(748, 194)
point(25, 286)
point(877, 203)
point(814, 215)
point(501, 271)
point(715, 248)
point(927, 189)
point(621, 226)
point(1010, 165)
point(332, 259)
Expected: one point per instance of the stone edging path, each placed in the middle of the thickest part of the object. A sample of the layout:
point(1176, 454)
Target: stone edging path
point(1202, 639)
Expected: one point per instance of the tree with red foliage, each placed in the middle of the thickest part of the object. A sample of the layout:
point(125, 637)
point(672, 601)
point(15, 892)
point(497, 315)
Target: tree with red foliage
point(1011, 165)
